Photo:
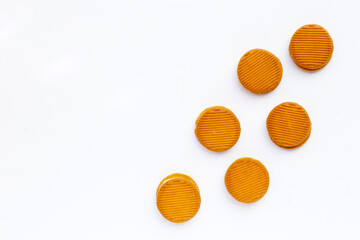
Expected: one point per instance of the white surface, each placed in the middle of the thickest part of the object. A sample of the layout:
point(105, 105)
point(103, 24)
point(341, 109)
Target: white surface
point(98, 102)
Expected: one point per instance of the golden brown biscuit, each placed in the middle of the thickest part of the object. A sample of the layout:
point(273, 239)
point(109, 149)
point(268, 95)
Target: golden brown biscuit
point(289, 125)
point(217, 129)
point(247, 180)
point(178, 198)
point(259, 71)
point(311, 47)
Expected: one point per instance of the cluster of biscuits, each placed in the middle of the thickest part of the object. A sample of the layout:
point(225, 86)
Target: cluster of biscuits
point(218, 129)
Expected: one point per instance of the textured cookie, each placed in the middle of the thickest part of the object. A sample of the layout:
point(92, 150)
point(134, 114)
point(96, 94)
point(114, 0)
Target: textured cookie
point(311, 47)
point(259, 71)
point(178, 198)
point(217, 129)
point(289, 125)
point(247, 180)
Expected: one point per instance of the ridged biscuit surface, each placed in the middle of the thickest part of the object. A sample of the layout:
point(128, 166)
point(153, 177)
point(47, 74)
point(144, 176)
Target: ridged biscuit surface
point(247, 180)
point(259, 71)
point(178, 198)
point(289, 125)
point(311, 47)
point(217, 129)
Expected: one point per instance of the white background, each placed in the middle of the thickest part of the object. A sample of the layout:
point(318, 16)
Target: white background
point(98, 102)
